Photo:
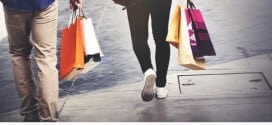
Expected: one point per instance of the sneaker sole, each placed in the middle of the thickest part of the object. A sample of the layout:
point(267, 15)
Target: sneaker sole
point(161, 97)
point(148, 92)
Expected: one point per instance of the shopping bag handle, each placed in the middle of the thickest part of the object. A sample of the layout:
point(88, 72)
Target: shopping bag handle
point(72, 18)
point(190, 4)
point(76, 13)
point(81, 13)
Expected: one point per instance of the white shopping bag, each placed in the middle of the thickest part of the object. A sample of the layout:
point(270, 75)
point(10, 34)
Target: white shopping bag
point(91, 44)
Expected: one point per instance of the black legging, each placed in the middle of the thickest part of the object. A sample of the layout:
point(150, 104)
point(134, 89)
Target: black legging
point(138, 17)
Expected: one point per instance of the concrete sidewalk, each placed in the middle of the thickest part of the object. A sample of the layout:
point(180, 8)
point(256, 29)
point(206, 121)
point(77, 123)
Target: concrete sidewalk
point(238, 91)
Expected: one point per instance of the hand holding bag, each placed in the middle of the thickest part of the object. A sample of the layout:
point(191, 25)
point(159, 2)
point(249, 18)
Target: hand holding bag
point(79, 46)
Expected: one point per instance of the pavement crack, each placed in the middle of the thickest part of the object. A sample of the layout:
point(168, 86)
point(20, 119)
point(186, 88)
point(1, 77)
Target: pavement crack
point(101, 17)
point(68, 92)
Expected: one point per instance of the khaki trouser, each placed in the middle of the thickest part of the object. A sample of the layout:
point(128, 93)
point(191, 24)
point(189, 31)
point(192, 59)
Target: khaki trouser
point(38, 30)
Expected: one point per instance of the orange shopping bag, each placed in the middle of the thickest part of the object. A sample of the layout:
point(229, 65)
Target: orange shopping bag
point(72, 50)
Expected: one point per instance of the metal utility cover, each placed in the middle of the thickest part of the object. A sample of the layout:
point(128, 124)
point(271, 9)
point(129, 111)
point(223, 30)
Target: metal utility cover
point(223, 84)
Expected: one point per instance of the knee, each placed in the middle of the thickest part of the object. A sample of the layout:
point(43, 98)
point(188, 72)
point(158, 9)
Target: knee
point(20, 51)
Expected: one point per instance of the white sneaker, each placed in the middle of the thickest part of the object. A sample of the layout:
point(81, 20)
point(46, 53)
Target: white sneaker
point(161, 92)
point(148, 90)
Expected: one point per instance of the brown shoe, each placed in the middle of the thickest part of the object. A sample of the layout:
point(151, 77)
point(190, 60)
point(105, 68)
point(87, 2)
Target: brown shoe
point(32, 117)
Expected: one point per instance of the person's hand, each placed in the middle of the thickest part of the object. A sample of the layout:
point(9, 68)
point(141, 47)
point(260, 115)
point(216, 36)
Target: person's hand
point(74, 4)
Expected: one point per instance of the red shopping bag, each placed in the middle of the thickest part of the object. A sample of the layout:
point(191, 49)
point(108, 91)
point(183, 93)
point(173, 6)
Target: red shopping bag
point(72, 50)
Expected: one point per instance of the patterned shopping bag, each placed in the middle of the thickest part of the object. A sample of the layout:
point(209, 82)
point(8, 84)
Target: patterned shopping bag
point(199, 36)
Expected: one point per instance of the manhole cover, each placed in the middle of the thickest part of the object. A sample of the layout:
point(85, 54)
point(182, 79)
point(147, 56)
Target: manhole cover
point(223, 84)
